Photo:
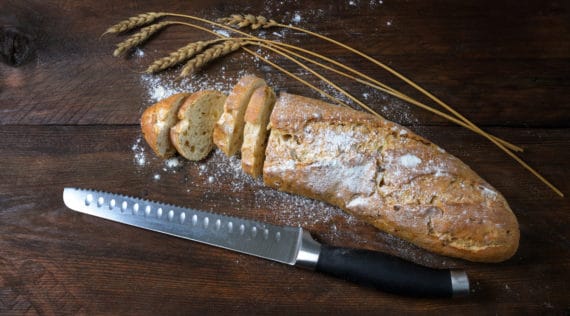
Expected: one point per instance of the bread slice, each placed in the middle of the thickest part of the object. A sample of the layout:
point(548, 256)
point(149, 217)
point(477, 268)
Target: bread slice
point(389, 177)
point(255, 131)
point(156, 122)
point(228, 131)
point(192, 135)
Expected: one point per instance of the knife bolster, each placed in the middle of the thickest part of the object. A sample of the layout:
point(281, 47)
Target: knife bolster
point(309, 252)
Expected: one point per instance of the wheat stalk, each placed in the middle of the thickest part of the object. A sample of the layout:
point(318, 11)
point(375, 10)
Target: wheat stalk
point(181, 55)
point(138, 38)
point(210, 54)
point(134, 22)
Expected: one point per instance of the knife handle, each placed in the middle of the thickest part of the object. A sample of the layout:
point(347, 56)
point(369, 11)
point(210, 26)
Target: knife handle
point(390, 274)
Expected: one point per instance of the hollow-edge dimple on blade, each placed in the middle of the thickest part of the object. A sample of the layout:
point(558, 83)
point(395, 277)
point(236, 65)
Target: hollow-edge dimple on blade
point(278, 243)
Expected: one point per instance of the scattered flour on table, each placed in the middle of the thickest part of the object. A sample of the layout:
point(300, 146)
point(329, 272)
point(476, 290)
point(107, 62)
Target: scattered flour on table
point(138, 149)
point(173, 164)
point(297, 17)
point(223, 32)
point(139, 52)
point(163, 86)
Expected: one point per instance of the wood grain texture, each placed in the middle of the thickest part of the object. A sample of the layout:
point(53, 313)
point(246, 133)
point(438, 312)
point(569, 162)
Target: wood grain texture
point(69, 116)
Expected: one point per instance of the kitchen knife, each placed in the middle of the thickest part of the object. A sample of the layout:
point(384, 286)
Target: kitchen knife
point(285, 244)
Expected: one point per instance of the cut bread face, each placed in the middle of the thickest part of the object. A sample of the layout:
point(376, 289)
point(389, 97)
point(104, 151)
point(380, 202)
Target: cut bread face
point(228, 131)
point(192, 135)
point(256, 130)
point(156, 122)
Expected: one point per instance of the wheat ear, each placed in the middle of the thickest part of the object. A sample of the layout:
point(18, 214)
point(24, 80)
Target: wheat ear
point(209, 55)
point(181, 55)
point(138, 38)
point(134, 22)
point(250, 20)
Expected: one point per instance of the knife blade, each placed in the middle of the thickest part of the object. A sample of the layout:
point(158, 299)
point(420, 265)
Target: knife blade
point(285, 244)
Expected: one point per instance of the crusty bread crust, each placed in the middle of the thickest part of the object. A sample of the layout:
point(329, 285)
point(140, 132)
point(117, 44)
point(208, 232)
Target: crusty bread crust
point(192, 135)
point(388, 176)
point(156, 122)
point(228, 131)
point(255, 131)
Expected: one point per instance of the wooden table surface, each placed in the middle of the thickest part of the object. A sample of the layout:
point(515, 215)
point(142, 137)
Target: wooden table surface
point(69, 115)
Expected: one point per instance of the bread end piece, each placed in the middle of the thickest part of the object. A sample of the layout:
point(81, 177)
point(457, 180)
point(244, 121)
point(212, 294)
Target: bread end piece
point(156, 122)
point(192, 135)
point(228, 130)
point(256, 130)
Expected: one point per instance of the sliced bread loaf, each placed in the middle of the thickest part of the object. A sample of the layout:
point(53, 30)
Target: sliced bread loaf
point(228, 131)
point(192, 135)
point(156, 122)
point(256, 130)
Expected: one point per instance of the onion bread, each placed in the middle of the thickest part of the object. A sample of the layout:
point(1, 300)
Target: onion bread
point(255, 131)
point(156, 122)
point(388, 176)
point(192, 135)
point(228, 131)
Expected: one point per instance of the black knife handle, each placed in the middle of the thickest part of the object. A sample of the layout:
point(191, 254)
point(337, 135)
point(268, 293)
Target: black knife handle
point(391, 274)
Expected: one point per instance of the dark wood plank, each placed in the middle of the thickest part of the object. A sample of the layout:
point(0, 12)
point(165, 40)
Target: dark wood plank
point(494, 67)
point(55, 259)
point(69, 116)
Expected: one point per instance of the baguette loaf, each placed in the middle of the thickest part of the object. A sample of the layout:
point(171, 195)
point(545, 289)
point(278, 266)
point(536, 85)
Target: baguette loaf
point(389, 177)
point(255, 131)
point(156, 122)
point(192, 135)
point(228, 131)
